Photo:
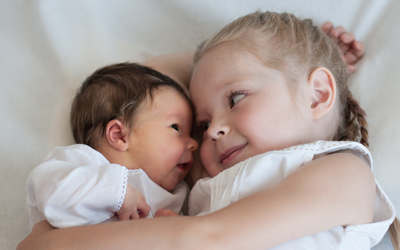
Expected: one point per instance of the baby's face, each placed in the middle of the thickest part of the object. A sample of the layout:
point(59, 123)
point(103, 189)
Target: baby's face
point(160, 141)
point(243, 107)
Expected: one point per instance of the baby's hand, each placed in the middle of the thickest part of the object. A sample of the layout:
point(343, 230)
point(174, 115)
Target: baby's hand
point(350, 49)
point(134, 206)
point(165, 213)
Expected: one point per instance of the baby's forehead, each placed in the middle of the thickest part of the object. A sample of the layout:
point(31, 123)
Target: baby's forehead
point(168, 100)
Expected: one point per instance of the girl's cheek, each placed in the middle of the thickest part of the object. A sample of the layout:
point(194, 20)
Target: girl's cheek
point(203, 154)
point(206, 158)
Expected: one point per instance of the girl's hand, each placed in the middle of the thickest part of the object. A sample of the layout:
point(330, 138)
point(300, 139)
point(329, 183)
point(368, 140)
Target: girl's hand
point(350, 49)
point(165, 213)
point(134, 206)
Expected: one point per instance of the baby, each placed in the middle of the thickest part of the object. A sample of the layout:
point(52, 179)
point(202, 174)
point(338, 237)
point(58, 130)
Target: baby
point(132, 125)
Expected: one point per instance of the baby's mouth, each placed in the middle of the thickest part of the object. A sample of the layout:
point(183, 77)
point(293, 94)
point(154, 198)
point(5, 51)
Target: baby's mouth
point(184, 166)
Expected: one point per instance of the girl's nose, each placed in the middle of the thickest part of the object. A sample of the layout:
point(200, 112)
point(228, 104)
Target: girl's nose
point(217, 131)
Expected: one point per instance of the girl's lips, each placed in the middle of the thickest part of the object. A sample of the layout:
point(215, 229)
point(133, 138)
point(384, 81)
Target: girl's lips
point(229, 154)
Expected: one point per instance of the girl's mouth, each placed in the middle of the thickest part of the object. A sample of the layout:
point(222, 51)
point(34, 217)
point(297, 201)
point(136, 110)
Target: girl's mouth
point(229, 154)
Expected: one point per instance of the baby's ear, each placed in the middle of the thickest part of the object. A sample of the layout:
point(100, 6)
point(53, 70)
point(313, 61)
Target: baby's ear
point(323, 92)
point(117, 135)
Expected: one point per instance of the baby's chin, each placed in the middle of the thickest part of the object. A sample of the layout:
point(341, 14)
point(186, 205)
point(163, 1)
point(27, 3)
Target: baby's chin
point(169, 187)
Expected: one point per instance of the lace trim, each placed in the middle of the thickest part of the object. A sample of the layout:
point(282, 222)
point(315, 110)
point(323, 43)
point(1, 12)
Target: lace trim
point(122, 192)
point(334, 147)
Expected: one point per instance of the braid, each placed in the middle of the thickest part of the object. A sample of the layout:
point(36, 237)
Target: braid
point(394, 231)
point(355, 125)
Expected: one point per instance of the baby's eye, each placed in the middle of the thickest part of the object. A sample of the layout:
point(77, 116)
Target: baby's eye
point(235, 97)
point(175, 126)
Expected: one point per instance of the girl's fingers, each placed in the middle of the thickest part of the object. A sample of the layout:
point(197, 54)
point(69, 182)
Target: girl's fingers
point(346, 38)
point(327, 28)
point(354, 52)
point(338, 31)
point(351, 68)
point(350, 49)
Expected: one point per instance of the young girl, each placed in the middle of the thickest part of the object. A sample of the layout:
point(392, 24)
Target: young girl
point(273, 82)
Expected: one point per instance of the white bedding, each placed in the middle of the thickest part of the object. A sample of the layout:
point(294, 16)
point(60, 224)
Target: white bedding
point(47, 48)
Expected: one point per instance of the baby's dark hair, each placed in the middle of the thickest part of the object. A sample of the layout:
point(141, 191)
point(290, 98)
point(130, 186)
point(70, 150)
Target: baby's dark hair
point(114, 92)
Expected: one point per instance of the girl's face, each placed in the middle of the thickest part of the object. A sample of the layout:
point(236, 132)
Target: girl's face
point(243, 107)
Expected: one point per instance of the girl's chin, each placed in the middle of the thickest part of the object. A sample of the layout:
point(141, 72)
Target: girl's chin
point(213, 170)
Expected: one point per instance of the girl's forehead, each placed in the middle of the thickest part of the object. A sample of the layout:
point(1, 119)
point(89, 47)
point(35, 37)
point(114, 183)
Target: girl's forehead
point(226, 64)
point(219, 64)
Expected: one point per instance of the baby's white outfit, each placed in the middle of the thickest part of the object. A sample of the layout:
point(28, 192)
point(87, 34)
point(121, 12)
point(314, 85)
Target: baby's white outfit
point(264, 170)
point(77, 185)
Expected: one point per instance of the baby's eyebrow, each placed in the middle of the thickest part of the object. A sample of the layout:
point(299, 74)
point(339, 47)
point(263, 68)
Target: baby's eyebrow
point(178, 114)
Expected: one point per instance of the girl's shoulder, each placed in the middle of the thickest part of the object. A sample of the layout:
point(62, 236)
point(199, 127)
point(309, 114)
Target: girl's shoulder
point(322, 148)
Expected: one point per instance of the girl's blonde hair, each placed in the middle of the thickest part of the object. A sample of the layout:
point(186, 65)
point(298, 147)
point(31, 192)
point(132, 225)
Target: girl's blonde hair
point(297, 47)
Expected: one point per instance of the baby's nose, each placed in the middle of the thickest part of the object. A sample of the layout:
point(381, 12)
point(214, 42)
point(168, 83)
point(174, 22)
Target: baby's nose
point(192, 144)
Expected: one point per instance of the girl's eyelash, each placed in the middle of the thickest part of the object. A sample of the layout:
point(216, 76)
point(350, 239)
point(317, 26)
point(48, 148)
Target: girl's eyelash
point(203, 126)
point(232, 95)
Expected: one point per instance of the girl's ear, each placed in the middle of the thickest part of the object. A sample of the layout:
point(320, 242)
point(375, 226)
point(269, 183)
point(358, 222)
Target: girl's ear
point(323, 92)
point(116, 135)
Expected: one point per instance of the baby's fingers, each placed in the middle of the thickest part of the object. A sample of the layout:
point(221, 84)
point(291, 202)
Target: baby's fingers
point(126, 216)
point(165, 213)
point(135, 215)
point(144, 209)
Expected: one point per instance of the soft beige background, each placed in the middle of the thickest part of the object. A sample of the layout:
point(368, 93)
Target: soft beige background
point(48, 47)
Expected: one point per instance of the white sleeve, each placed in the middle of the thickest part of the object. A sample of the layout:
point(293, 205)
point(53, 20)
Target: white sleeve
point(200, 198)
point(67, 195)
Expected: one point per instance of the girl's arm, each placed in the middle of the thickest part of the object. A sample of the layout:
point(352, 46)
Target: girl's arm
point(178, 66)
point(334, 190)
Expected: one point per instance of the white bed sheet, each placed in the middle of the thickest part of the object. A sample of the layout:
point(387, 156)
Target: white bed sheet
point(47, 48)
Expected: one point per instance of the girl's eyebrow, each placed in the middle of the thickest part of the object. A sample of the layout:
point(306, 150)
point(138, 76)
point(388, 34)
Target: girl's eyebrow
point(232, 83)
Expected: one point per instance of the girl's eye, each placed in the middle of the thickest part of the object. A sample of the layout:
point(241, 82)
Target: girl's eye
point(175, 126)
point(204, 126)
point(235, 97)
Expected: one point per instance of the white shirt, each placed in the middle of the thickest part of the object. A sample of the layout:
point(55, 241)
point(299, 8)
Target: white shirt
point(77, 185)
point(264, 170)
